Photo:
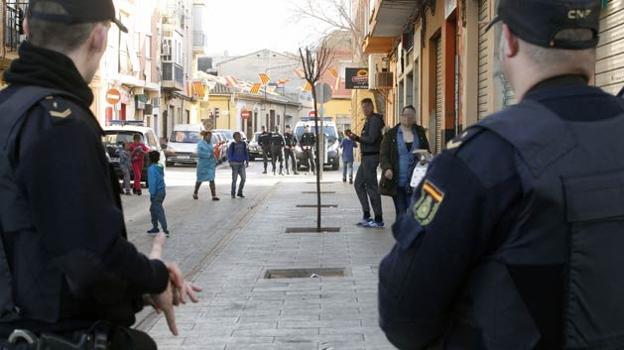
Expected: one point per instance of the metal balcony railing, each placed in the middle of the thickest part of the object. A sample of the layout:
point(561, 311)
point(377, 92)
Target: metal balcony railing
point(13, 24)
point(173, 73)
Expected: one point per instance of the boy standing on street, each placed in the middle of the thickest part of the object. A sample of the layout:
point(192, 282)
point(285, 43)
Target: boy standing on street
point(347, 145)
point(238, 154)
point(156, 185)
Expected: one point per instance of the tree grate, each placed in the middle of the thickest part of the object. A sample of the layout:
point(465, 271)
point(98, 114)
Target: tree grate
point(305, 273)
point(316, 205)
point(312, 230)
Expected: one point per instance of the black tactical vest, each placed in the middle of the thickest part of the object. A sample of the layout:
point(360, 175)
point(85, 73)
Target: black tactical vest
point(573, 215)
point(16, 222)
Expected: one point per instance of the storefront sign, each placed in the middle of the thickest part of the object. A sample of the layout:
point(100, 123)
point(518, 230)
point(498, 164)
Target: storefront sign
point(356, 78)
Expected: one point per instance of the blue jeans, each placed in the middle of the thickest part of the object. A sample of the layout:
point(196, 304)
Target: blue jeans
point(345, 165)
point(401, 201)
point(157, 211)
point(238, 169)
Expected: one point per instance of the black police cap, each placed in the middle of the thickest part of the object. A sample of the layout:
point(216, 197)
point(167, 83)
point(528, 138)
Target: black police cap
point(539, 22)
point(80, 11)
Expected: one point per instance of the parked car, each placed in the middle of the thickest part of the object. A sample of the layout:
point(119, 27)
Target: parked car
point(255, 151)
point(331, 146)
point(220, 146)
point(182, 145)
point(116, 135)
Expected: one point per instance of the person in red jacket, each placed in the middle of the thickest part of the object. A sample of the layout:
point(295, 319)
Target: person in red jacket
point(138, 150)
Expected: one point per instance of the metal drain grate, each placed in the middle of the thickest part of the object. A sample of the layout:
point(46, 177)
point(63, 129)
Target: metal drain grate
point(305, 273)
point(322, 192)
point(312, 230)
point(316, 205)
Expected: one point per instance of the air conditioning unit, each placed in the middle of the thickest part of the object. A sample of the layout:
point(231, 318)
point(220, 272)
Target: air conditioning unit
point(375, 65)
point(385, 80)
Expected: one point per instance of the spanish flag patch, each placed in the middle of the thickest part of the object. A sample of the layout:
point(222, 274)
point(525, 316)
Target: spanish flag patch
point(426, 208)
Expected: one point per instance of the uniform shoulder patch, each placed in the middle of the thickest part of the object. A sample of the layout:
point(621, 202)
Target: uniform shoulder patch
point(57, 108)
point(455, 144)
point(426, 208)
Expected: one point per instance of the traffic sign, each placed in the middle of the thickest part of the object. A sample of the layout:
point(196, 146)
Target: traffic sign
point(113, 96)
point(312, 114)
point(246, 114)
point(323, 93)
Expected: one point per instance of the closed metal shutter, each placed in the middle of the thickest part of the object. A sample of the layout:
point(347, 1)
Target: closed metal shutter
point(439, 94)
point(483, 60)
point(610, 52)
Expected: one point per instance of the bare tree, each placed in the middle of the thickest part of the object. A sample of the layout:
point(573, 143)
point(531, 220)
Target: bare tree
point(339, 15)
point(315, 63)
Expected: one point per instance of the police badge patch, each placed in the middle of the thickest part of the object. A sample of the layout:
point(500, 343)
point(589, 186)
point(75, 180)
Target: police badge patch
point(427, 206)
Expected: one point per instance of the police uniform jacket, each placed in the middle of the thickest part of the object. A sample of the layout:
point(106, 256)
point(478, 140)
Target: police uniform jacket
point(513, 239)
point(65, 244)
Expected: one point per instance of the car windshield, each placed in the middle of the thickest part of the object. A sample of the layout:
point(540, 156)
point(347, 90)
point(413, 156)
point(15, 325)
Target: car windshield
point(330, 132)
point(229, 134)
point(185, 137)
point(117, 138)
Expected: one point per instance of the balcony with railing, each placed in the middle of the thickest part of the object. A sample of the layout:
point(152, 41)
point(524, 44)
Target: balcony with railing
point(13, 32)
point(172, 76)
point(199, 42)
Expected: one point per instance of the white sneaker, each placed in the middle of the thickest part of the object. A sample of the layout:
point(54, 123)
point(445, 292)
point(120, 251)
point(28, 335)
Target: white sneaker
point(364, 222)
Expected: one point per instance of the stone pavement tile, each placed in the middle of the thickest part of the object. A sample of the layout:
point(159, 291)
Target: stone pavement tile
point(200, 340)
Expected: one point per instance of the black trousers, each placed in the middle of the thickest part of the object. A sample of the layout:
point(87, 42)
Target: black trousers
point(308, 156)
point(289, 154)
point(266, 153)
point(276, 156)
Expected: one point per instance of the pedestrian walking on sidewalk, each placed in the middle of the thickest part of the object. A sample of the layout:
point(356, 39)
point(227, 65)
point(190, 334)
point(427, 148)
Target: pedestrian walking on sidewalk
point(138, 151)
point(366, 184)
point(264, 141)
point(308, 143)
point(513, 239)
point(290, 142)
point(347, 145)
point(125, 164)
point(238, 155)
point(206, 165)
point(397, 158)
point(157, 190)
point(277, 150)
point(70, 278)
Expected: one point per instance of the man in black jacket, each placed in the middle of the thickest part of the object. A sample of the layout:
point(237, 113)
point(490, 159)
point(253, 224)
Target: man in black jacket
point(68, 271)
point(290, 142)
point(277, 148)
point(308, 143)
point(366, 185)
point(264, 141)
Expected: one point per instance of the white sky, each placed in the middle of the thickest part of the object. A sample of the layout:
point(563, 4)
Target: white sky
point(244, 26)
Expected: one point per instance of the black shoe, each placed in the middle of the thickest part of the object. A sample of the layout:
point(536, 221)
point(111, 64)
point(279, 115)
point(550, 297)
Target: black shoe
point(166, 232)
point(233, 196)
point(264, 172)
point(139, 193)
point(153, 231)
point(351, 181)
point(344, 180)
point(241, 195)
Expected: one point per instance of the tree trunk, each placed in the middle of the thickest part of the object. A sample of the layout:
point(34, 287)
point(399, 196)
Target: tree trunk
point(317, 163)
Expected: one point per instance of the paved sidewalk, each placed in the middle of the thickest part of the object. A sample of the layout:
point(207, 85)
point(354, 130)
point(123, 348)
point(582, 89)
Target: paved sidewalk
point(240, 309)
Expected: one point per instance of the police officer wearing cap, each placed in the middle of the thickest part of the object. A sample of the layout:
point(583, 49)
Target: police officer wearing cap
point(514, 238)
point(69, 279)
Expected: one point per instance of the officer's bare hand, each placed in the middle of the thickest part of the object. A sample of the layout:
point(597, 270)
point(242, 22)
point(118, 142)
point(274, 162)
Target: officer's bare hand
point(189, 290)
point(163, 302)
point(389, 174)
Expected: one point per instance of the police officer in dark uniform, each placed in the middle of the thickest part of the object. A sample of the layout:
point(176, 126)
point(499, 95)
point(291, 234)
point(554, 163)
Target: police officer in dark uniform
point(308, 144)
point(69, 279)
point(264, 141)
point(514, 238)
point(290, 142)
point(277, 150)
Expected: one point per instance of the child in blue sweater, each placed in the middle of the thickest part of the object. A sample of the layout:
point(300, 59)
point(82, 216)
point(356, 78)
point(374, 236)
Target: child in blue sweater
point(156, 185)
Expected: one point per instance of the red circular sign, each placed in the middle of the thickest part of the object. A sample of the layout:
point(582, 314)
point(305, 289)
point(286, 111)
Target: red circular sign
point(312, 114)
point(113, 96)
point(246, 114)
